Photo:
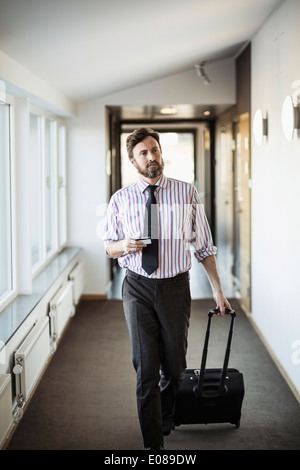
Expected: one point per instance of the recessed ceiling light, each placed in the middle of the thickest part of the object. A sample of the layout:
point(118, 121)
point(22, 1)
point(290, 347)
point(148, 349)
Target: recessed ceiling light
point(206, 113)
point(168, 110)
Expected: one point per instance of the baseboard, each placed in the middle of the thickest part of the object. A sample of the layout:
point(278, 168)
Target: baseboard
point(93, 297)
point(274, 357)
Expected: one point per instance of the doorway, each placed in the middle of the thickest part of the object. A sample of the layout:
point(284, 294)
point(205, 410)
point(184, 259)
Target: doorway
point(233, 196)
point(242, 211)
point(188, 154)
point(179, 154)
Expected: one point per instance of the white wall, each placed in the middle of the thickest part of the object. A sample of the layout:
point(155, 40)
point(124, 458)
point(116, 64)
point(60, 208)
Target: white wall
point(21, 82)
point(87, 182)
point(87, 154)
point(276, 192)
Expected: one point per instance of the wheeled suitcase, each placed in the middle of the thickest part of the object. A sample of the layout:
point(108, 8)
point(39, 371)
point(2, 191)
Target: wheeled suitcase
point(211, 395)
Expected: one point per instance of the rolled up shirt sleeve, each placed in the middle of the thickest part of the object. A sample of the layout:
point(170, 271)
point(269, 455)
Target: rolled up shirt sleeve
point(202, 240)
point(113, 230)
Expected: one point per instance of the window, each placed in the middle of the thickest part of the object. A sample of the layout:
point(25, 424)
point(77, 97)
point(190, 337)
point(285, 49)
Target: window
point(48, 188)
point(35, 189)
point(6, 274)
point(43, 196)
point(62, 186)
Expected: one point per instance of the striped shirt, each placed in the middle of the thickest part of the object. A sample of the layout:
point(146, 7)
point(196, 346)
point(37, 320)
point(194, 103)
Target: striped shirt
point(182, 225)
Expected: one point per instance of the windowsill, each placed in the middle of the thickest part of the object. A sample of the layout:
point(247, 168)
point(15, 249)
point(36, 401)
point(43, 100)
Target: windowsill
point(12, 317)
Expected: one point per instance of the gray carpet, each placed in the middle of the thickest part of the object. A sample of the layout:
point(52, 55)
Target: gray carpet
point(86, 398)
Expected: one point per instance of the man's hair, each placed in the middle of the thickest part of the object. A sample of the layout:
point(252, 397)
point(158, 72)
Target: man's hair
point(138, 136)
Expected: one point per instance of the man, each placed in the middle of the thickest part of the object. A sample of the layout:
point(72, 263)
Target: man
point(157, 304)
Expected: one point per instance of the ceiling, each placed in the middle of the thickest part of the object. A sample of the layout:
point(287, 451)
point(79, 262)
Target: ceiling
point(87, 49)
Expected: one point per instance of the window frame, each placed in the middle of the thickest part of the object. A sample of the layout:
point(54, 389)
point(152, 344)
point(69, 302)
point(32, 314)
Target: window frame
point(62, 184)
point(11, 293)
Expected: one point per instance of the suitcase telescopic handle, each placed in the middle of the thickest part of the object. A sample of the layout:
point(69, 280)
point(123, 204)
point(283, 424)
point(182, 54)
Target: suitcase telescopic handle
point(199, 389)
point(215, 311)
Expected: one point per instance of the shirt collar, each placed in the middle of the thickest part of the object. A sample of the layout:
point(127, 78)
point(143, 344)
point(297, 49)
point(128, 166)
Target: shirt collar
point(162, 182)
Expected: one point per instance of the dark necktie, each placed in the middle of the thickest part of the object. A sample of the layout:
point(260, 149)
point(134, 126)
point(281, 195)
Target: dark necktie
point(150, 252)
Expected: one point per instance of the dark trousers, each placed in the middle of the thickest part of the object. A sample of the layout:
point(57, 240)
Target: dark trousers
point(157, 313)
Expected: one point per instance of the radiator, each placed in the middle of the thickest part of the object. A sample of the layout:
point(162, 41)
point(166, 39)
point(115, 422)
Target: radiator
point(31, 358)
point(6, 421)
point(61, 309)
point(77, 275)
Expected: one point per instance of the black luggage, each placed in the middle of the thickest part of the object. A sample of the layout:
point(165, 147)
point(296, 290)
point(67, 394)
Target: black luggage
point(211, 395)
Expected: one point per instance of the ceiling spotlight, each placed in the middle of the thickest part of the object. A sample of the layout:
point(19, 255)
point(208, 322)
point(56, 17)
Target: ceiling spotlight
point(201, 73)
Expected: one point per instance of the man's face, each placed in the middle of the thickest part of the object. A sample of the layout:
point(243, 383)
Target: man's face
point(147, 158)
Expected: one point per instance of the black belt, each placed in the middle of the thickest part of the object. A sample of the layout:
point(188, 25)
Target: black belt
point(185, 275)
